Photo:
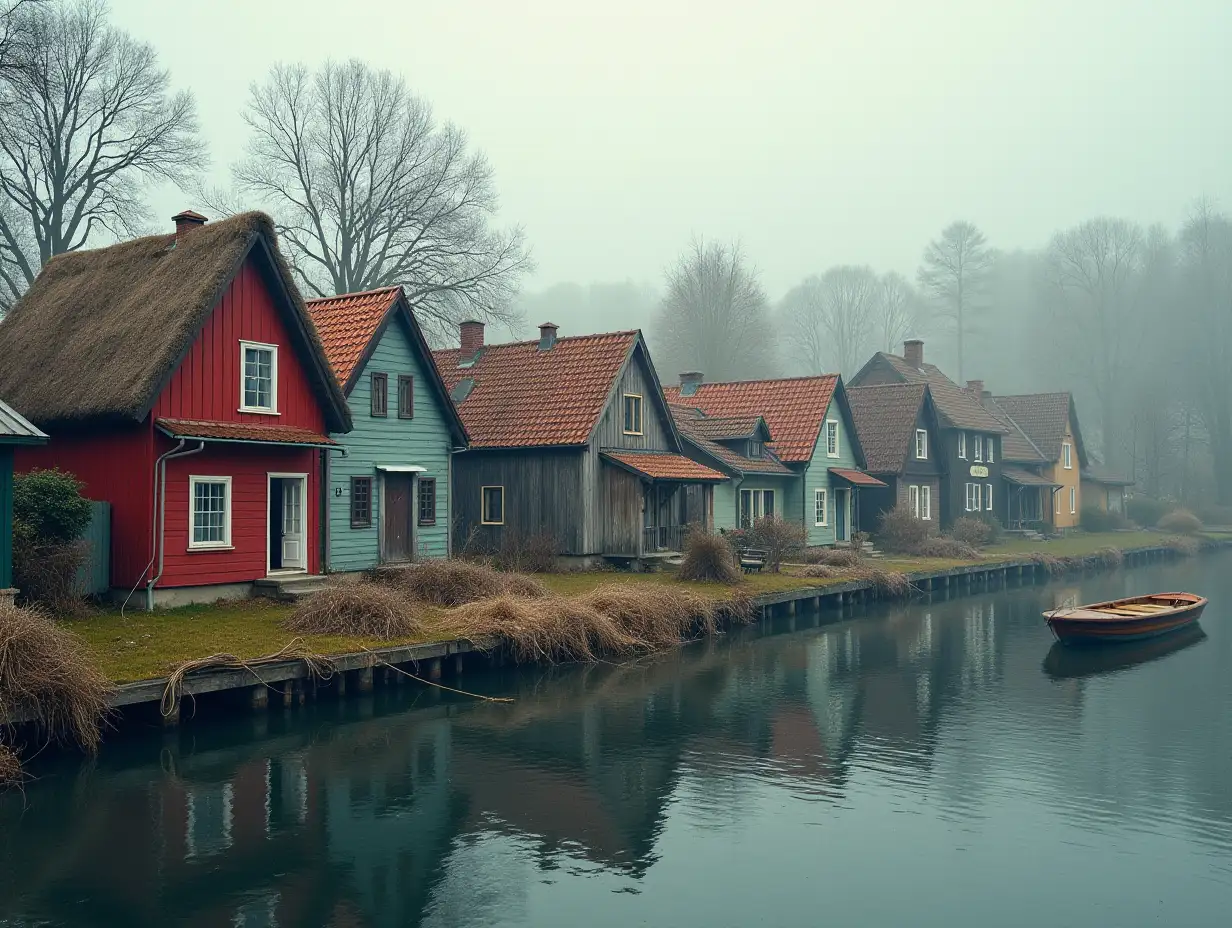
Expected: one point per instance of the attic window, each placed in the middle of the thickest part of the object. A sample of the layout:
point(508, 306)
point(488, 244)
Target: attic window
point(259, 378)
point(756, 449)
point(921, 444)
point(633, 414)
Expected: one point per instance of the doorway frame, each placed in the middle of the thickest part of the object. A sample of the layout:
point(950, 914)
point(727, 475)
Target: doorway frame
point(270, 477)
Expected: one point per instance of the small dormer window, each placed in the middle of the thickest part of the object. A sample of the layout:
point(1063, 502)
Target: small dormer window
point(921, 444)
point(633, 414)
point(831, 438)
point(1067, 455)
point(258, 378)
point(756, 449)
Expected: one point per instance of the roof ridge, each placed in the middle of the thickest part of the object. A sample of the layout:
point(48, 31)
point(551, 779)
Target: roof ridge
point(722, 383)
point(353, 294)
point(534, 341)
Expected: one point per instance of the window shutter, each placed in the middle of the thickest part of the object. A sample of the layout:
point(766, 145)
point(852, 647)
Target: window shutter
point(406, 397)
point(380, 394)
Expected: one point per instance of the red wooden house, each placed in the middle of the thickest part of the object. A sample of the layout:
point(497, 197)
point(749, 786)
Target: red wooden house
point(180, 377)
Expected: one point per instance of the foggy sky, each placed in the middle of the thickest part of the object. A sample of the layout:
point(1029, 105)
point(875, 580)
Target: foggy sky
point(817, 132)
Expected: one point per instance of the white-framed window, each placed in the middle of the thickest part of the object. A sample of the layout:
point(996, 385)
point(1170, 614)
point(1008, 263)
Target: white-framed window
point(1067, 456)
point(988, 452)
point(921, 444)
point(973, 497)
point(821, 507)
point(962, 445)
point(831, 438)
point(258, 377)
point(913, 500)
point(978, 442)
point(492, 503)
point(209, 512)
point(633, 414)
point(1073, 500)
point(926, 503)
point(988, 497)
point(754, 505)
point(1057, 498)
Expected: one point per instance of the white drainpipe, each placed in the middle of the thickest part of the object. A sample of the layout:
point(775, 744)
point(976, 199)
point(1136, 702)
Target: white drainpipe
point(160, 506)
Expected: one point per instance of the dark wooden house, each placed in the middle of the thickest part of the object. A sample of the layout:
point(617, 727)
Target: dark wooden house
point(572, 439)
point(971, 436)
point(1028, 488)
point(898, 429)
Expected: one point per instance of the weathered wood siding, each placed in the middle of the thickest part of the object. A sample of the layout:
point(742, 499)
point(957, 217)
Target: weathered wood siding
point(818, 477)
point(6, 518)
point(619, 522)
point(543, 495)
point(954, 485)
point(422, 441)
point(656, 434)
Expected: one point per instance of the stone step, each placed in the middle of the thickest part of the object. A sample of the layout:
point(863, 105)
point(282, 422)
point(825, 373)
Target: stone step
point(289, 588)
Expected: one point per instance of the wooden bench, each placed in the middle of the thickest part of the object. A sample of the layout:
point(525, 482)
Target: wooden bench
point(751, 559)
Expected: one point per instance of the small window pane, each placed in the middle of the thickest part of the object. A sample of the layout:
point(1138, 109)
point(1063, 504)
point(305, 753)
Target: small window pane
point(361, 502)
point(380, 395)
point(209, 513)
point(406, 397)
point(258, 378)
point(494, 505)
point(633, 414)
point(819, 507)
point(427, 501)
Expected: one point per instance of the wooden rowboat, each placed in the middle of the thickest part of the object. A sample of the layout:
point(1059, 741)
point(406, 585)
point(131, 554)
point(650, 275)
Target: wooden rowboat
point(1130, 619)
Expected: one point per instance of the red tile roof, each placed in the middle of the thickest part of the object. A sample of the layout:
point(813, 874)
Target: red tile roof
point(858, 477)
point(688, 421)
point(523, 397)
point(346, 324)
point(793, 407)
point(664, 465)
point(242, 431)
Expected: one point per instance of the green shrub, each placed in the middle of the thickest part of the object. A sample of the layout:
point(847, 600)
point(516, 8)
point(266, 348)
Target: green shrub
point(900, 532)
point(49, 506)
point(972, 532)
point(1146, 511)
point(1094, 519)
point(1181, 522)
point(780, 538)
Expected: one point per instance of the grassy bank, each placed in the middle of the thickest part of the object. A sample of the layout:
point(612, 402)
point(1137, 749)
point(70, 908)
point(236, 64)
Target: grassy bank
point(142, 645)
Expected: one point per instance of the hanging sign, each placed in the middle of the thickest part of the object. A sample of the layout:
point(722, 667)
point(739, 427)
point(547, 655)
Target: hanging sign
point(979, 470)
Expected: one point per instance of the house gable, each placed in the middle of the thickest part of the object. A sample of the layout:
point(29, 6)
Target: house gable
point(818, 476)
point(637, 379)
point(206, 384)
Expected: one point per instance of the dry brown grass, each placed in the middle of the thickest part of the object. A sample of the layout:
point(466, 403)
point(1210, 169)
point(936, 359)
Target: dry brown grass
point(826, 571)
point(46, 574)
point(949, 549)
point(709, 558)
point(1185, 547)
point(48, 675)
point(832, 557)
point(887, 584)
point(10, 767)
point(1108, 557)
point(357, 607)
point(1053, 566)
point(455, 583)
point(1181, 521)
point(549, 628)
point(657, 616)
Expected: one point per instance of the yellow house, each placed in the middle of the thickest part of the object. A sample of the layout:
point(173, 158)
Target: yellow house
point(1050, 422)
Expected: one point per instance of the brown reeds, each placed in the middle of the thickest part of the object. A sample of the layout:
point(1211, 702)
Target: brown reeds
point(10, 767)
point(1053, 566)
point(950, 549)
point(48, 675)
point(826, 571)
point(549, 628)
point(887, 584)
point(454, 583)
point(357, 607)
point(1108, 557)
point(832, 557)
point(657, 616)
point(709, 559)
point(1185, 547)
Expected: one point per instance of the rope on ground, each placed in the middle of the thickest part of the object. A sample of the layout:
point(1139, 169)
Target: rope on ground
point(449, 689)
point(319, 667)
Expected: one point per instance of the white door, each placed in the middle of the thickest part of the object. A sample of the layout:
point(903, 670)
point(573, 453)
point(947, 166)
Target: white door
point(293, 524)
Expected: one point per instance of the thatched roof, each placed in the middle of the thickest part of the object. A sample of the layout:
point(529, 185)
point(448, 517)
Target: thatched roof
point(99, 332)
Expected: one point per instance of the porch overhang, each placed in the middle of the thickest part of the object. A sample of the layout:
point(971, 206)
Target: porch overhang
point(243, 433)
point(1108, 480)
point(401, 469)
point(1024, 478)
point(663, 467)
point(856, 478)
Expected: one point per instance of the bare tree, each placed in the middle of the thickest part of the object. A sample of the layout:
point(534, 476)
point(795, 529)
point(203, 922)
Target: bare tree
point(1093, 269)
point(830, 321)
point(17, 37)
point(368, 191)
point(714, 317)
point(954, 275)
point(897, 315)
point(88, 124)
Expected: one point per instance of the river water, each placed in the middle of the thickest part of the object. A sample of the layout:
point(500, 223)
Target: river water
point(932, 764)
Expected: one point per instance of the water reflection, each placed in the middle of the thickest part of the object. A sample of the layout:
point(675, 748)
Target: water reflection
point(1066, 661)
point(651, 792)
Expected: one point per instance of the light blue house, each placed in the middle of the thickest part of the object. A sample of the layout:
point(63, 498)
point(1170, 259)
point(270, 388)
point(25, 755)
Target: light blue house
point(788, 445)
point(388, 493)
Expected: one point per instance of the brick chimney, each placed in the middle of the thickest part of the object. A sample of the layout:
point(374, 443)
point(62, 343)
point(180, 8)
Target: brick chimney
point(913, 352)
point(689, 382)
point(472, 339)
point(186, 223)
point(976, 387)
point(547, 335)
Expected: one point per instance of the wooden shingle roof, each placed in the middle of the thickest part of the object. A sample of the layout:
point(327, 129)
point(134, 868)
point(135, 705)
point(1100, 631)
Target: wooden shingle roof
point(1016, 445)
point(956, 407)
point(524, 397)
point(885, 417)
point(1043, 417)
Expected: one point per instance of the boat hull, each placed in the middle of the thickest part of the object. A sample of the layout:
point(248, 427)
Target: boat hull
point(1103, 631)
